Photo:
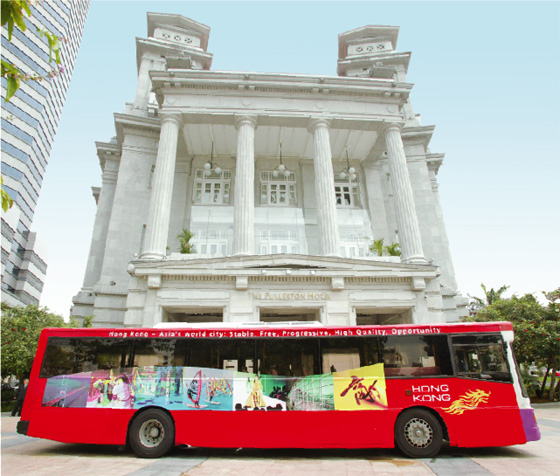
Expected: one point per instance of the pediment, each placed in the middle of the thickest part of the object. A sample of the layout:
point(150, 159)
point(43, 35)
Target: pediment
point(280, 264)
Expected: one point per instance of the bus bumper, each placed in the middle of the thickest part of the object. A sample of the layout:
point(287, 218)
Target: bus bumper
point(532, 432)
point(22, 427)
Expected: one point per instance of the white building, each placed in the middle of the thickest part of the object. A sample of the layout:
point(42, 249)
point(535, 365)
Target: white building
point(284, 180)
point(29, 123)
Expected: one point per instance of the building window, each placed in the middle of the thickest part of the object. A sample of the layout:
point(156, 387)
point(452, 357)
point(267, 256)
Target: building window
point(212, 189)
point(279, 241)
point(211, 242)
point(346, 192)
point(353, 245)
point(278, 191)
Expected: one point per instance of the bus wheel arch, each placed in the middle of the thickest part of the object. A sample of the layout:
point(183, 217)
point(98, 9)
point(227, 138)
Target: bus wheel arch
point(419, 432)
point(151, 432)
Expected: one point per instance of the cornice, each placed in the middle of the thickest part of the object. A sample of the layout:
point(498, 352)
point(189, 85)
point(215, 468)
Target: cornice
point(368, 60)
point(107, 149)
point(239, 83)
point(434, 161)
point(138, 124)
point(277, 268)
point(417, 135)
point(161, 48)
point(379, 279)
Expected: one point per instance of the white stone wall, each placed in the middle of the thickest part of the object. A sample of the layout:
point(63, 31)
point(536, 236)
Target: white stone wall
point(240, 122)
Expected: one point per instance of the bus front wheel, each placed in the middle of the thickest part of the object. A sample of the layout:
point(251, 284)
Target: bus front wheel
point(418, 433)
point(152, 434)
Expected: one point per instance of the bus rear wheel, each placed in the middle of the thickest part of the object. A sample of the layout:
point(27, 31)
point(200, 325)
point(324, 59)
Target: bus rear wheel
point(418, 433)
point(152, 434)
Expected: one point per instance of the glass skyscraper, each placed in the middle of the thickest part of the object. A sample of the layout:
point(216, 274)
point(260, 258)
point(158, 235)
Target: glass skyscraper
point(29, 123)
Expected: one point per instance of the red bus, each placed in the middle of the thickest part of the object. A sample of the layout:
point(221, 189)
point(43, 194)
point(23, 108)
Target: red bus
point(279, 386)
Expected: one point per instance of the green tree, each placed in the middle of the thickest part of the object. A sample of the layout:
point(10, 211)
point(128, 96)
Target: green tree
point(490, 297)
point(184, 239)
point(377, 247)
point(21, 327)
point(394, 249)
point(536, 328)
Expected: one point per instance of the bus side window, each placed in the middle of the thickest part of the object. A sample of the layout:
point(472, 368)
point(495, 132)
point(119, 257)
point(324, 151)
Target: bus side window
point(481, 357)
point(230, 354)
point(416, 355)
point(60, 357)
point(288, 357)
point(348, 353)
point(104, 353)
point(159, 352)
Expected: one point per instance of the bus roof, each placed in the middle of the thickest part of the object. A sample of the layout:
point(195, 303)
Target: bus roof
point(275, 330)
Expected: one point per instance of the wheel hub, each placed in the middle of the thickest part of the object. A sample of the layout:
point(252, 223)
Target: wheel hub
point(151, 433)
point(418, 433)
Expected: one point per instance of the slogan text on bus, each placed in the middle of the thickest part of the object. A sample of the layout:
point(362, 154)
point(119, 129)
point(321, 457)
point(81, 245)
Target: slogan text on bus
point(276, 332)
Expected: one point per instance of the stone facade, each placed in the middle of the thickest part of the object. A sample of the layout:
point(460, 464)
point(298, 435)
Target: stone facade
point(284, 181)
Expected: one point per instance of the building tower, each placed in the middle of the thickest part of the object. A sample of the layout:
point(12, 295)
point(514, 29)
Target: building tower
point(29, 123)
point(283, 180)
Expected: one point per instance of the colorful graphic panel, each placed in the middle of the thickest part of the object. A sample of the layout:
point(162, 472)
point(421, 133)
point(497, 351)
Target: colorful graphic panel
point(67, 391)
point(254, 392)
point(196, 388)
point(207, 389)
point(312, 393)
point(360, 389)
point(112, 388)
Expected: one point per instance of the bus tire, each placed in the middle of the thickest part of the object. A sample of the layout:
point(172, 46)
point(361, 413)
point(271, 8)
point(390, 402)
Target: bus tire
point(152, 434)
point(418, 433)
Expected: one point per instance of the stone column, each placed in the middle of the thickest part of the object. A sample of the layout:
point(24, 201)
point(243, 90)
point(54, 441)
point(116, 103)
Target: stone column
point(244, 208)
point(101, 226)
point(377, 214)
point(159, 214)
point(327, 218)
point(407, 220)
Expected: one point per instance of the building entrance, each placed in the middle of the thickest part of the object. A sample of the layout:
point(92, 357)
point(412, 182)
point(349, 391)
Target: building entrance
point(199, 315)
point(289, 314)
point(383, 316)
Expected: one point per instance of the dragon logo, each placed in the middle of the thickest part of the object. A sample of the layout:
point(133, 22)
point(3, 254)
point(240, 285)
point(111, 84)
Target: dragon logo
point(468, 401)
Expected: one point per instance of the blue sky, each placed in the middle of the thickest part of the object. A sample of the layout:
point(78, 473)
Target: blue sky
point(486, 74)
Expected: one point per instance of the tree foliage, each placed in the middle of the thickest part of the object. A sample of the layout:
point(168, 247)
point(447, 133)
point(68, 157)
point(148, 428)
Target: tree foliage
point(7, 201)
point(186, 247)
point(21, 327)
point(490, 297)
point(379, 248)
point(394, 249)
point(536, 328)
